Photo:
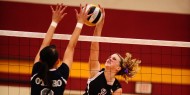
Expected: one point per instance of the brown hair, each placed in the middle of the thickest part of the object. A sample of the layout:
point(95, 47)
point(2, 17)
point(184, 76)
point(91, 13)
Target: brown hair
point(129, 66)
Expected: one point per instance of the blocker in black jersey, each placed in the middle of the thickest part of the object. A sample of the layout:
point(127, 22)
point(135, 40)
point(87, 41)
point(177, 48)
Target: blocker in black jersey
point(98, 85)
point(58, 77)
point(46, 78)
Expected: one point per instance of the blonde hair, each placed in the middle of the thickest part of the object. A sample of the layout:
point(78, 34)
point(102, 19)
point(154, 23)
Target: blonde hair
point(129, 67)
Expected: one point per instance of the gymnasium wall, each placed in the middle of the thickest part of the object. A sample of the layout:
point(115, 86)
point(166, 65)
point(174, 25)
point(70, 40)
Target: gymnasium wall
point(166, 68)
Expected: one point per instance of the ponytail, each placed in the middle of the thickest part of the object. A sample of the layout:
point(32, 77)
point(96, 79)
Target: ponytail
point(129, 67)
point(45, 75)
point(48, 58)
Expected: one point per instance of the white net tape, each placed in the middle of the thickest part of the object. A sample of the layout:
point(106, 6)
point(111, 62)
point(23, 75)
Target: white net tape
point(98, 39)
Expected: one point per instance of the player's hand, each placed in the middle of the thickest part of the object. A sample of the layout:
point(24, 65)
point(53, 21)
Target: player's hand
point(101, 23)
point(82, 15)
point(58, 12)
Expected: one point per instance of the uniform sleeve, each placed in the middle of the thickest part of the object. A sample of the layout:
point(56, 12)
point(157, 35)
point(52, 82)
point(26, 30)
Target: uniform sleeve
point(64, 70)
point(116, 85)
point(35, 68)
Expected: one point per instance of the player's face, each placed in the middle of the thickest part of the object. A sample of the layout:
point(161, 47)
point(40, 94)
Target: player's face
point(113, 61)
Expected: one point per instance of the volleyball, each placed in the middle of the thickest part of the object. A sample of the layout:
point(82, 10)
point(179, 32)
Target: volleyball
point(96, 15)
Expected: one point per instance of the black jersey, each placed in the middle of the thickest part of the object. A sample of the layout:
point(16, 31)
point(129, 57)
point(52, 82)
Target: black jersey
point(59, 80)
point(98, 85)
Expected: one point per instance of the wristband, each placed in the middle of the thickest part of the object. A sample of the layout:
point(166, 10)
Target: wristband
point(79, 25)
point(54, 24)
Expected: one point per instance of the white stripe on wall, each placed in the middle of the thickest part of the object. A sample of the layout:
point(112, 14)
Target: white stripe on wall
point(166, 6)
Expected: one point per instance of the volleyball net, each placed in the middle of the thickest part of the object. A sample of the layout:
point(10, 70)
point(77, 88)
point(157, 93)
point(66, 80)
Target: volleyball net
point(164, 68)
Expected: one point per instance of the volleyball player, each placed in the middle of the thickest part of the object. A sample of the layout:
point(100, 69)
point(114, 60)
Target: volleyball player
point(103, 81)
point(46, 78)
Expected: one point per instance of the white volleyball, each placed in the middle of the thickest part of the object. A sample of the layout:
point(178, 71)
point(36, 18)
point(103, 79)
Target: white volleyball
point(96, 15)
